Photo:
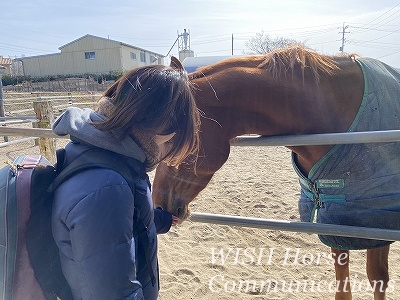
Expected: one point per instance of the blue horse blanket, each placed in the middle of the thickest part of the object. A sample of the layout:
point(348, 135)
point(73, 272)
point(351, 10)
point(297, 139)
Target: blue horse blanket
point(359, 184)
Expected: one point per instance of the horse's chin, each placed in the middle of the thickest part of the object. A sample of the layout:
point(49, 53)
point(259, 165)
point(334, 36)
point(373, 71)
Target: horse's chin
point(183, 214)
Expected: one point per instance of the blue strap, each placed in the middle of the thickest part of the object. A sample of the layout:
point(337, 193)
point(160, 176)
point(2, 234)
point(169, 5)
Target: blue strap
point(312, 189)
point(319, 199)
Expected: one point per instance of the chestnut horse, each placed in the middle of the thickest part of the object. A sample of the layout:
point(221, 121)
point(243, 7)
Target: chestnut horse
point(295, 91)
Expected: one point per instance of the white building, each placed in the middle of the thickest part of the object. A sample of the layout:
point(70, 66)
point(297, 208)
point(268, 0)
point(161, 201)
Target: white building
point(89, 55)
point(6, 63)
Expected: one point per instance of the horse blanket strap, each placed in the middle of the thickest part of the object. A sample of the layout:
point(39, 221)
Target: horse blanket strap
point(313, 191)
point(359, 184)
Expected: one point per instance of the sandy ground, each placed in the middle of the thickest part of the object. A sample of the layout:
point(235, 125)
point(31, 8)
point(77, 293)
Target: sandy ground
point(207, 261)
point(256, 263)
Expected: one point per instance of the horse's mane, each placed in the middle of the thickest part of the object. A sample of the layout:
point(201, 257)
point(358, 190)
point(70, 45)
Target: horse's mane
point(241, 61)
point(280, 63)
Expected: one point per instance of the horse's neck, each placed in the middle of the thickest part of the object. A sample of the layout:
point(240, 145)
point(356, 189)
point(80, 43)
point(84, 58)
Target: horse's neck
point(333, 111)
point(282, 110)
point(289, 107)
point(332, 108)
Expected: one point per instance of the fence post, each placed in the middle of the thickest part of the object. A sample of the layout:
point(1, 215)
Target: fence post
point(44, 113)
point(2, 69)
point(69, 98)
point(36, 124)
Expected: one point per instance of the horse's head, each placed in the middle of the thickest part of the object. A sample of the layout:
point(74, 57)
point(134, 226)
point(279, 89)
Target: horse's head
point(174, 188)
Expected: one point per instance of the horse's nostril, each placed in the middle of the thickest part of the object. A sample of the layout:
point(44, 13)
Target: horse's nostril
point(178, 211)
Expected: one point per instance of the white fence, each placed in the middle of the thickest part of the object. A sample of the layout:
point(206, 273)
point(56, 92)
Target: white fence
point(22, 107)
point(40, 111)
point(383, 136)
point(313, 139)
point(305, 227)
point(20, 110)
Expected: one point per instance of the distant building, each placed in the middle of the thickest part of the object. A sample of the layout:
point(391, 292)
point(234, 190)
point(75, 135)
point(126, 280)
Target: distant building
point(6, 63)
point(89, 55)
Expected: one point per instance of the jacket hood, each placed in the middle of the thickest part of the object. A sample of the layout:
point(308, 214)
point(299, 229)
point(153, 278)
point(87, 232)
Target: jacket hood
point(77, 123)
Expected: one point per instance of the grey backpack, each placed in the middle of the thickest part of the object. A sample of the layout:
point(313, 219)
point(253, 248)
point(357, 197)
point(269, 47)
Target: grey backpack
point(29, 261)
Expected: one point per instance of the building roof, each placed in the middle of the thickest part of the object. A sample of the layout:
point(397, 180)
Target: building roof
point(4, 61)
point(121, 43)
point(35, 56)
point(192, 63)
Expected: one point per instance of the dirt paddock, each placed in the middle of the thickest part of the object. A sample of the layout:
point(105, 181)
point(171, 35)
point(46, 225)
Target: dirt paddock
point(206, 261)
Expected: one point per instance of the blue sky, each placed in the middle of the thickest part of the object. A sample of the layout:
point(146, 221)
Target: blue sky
point(35, 27)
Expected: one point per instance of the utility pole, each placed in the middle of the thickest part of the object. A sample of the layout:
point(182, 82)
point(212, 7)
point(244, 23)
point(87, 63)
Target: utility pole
point(343, 39)
point(232, 43)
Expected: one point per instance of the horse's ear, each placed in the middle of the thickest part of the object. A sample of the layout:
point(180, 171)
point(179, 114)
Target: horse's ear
point(175, 63)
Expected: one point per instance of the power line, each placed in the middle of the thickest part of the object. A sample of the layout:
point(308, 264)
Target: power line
point(392, 53)
point(382, 15)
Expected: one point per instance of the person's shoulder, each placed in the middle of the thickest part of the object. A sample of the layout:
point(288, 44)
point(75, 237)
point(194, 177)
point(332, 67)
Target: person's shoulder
point(92, 179)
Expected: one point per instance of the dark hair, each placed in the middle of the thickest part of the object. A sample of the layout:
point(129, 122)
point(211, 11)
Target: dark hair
point(156, 99)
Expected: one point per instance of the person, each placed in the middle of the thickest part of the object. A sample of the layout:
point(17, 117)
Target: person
point(146, 116)
point(185, 36)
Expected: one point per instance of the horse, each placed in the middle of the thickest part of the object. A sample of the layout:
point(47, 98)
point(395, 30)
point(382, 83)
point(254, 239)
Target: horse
point(296, 91)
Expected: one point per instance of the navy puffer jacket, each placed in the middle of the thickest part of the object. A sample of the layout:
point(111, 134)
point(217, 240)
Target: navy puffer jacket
point(93, 225)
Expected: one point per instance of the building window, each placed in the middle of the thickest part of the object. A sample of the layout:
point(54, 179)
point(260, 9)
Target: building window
point(90, 55)
point(153, 59)
point(133, 56)
point(142, 56)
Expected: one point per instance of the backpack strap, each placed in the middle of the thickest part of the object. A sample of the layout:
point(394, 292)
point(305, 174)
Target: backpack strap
point(97, 158)
point(100, 158)
point(60, 155)
point(141, 232)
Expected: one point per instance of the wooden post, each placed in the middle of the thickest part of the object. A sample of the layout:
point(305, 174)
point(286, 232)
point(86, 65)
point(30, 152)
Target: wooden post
point(36, 124)
point(69, 99)
point(44, 113)
point(2, 99)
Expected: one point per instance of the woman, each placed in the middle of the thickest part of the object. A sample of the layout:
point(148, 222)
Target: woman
point(146, 116)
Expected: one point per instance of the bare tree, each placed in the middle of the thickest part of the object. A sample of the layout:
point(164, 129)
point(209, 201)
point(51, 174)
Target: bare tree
point(262, 43)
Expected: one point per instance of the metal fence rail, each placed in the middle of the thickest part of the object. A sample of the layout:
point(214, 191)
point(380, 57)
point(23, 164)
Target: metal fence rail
point(314, 139)
point(289, 140)
point(306, 227)
point(320, 139)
